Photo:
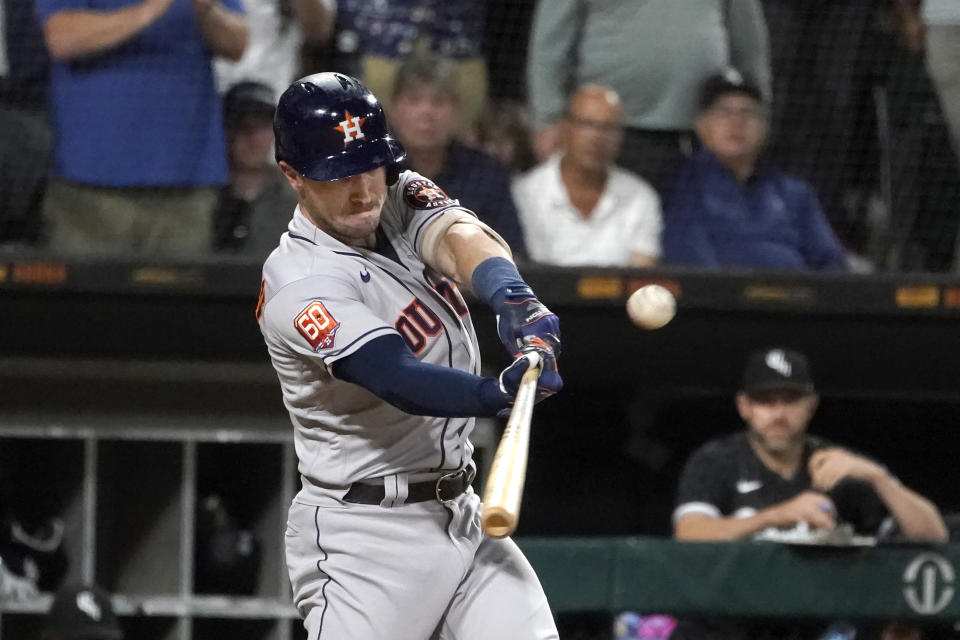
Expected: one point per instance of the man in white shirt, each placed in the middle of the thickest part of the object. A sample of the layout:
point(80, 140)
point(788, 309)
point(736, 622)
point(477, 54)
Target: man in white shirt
point(578, 207)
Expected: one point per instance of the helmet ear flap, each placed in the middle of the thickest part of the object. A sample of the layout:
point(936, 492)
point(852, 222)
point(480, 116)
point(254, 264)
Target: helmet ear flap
point(394, 169)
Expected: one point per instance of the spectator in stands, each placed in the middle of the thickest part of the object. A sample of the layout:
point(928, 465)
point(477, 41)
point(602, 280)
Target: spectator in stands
point(933, 27)
point(731, 208)
point(623, 44)
point(423, 115)
point(383, 33)
point(578, 207)
point(503, 131)
point(824, 75)
point(278, 30)
point(246, 220)
point(25, 137)
point(139, 148)
point(81, 613)
point(775, 476)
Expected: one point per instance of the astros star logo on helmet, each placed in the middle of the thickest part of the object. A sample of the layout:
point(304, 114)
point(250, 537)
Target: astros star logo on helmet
point(350, 127)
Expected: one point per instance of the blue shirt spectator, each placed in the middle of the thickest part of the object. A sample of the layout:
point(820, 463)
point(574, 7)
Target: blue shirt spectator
point(772, 220)
point(728, 208)
point(143, 113)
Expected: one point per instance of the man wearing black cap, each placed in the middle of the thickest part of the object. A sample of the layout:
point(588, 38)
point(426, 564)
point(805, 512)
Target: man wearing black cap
point(774, 476)
point(729, 207)
point(81, 613)
point(246, 219)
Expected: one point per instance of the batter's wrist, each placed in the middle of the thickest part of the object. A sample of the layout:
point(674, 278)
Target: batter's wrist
point(495, 279)
point(492, 397)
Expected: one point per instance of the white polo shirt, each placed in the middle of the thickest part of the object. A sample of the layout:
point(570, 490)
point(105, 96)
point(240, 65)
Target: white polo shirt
point(626, 219)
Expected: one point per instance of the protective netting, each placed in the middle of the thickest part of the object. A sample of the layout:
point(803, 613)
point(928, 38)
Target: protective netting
point(861, 96)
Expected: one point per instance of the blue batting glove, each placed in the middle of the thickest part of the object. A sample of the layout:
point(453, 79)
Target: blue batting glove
point(521, 316)
point(549, 382)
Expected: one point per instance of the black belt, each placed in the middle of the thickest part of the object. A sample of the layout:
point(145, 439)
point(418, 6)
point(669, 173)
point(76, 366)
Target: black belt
point(443, 489)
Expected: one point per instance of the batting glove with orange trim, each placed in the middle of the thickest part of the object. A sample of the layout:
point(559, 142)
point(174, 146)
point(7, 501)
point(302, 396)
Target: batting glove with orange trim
point(550, 381)
point(520, 316)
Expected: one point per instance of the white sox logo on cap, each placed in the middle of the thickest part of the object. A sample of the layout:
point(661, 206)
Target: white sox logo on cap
point(351, 128)
point(87, 604)
point(777, 360)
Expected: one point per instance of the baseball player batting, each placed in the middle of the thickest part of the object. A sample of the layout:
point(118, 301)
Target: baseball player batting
point(361, 311)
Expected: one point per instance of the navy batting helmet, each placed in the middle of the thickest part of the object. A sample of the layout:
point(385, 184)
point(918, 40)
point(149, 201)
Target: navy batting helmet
point(330, 126)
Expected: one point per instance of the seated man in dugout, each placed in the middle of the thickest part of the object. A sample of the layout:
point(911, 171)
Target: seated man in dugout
point(730, 206)
point(776, 481)
point(774, 475)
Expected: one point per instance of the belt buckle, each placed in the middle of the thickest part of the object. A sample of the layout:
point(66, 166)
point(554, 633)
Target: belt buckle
point(439, 491)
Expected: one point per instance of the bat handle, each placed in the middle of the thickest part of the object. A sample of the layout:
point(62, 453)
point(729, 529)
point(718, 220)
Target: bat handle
point(534, 364)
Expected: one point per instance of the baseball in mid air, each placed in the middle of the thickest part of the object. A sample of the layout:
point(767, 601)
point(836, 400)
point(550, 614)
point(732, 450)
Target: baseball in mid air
point(651, 306)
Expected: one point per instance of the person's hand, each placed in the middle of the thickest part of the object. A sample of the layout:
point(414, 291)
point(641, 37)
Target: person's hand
point(548, 383)
point(816, 509)
point(203, 7)
point(522, 316)
point(829, 466)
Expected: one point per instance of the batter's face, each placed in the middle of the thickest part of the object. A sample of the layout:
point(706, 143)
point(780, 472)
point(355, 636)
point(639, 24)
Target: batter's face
point(777, 419)
point(734, 128)
point(348, 209)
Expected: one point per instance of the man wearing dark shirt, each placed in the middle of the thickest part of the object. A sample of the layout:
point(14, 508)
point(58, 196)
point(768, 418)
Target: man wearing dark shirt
point(423, 115)
point(730, 207)
point(776, 481)
point(776, 476)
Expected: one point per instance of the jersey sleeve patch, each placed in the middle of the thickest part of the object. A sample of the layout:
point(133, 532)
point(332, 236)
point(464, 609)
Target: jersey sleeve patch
point(424, 194)
point(317, 325)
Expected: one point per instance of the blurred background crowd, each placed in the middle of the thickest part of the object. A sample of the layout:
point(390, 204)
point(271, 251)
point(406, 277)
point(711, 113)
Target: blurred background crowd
point(708, 133)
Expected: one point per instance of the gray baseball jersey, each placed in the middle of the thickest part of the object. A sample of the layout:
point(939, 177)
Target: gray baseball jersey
point(407, 571)
point(322, 300)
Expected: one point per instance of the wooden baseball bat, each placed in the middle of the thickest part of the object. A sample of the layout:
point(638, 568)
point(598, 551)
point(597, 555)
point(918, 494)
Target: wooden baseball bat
point(501, 496)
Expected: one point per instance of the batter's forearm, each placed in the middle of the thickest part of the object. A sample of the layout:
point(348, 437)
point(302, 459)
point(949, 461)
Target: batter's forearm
point(387, 368)
point(463, 248)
